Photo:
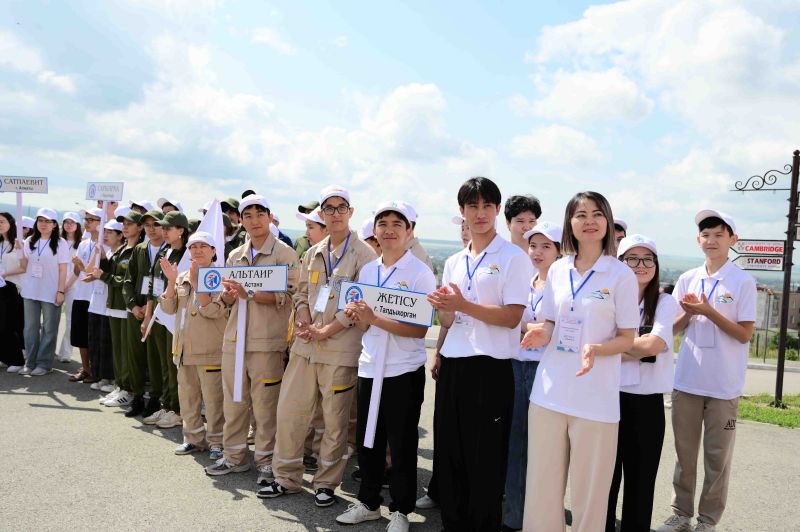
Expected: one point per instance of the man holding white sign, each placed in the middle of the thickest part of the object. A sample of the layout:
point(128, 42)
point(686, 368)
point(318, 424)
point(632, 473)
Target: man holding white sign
point(255, 337)
point(392, 361)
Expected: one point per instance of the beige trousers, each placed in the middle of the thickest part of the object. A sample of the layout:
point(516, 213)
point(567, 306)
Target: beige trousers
point(198, 385)
point(305, 385)
point(558, 444)
point(715, 420)
point(261, 386)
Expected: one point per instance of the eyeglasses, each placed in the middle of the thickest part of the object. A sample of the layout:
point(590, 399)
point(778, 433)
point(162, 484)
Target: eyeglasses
point(341, 209)
point(633, 262)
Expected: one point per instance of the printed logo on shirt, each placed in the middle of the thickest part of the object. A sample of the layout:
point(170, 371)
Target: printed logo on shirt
point(401, 285)
point(727, 297)
point(492, 269)
point(337, 281)
point(730, 425)
point(602, 294)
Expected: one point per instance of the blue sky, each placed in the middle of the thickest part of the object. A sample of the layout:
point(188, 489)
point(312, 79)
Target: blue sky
point(661, 105)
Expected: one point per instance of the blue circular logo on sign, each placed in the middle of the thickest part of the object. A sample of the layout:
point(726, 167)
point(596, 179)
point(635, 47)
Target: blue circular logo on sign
point(1, 184)
point(92, 191)
point(353, 293)
point(212, 279)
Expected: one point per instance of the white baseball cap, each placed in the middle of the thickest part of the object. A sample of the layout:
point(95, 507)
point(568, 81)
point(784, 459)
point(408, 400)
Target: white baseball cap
point(97, 213)
point(274, 230)
point(71, 215)
point(148, 206)
point(622, 223)
point(120, 211)
point(551, 230)
point(113, 225)
point(367, 229)
point(28, 222)
point(201, 236)
point(396, 206)
point(253, 199)
point(412, 213)
point(313, 216)
point(708, 213)
point(48, 213)
point(635, 241)
point(275, 217)
point(162, 201)
point(333, 190)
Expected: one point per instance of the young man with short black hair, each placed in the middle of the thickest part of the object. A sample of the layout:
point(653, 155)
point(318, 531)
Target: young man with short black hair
point(521, 213)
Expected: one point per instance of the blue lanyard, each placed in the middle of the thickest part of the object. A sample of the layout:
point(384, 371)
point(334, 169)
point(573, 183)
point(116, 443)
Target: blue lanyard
point(703, 288)
point(471, 274)
point(39, 248)
point(252, 255)
point(3, 249)
point(533, 305)
point(576, 292)
point(331, 266)
point(382, 284)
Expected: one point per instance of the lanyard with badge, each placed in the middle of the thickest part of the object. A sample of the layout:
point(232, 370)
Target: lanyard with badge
point(533, 305)
point(37, 268)
point(158, 282)
point(330, 266)
point(570, 326)
point(470, 295)
point(2, 253)
point(705, 330)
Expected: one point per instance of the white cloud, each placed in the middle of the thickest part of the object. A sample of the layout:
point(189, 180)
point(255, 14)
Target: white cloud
point(557, 144)
point(341, 41)
point(271, 38)
point(18, 56)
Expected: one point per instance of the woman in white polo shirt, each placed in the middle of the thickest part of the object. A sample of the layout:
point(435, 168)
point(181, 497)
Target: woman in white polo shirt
point(82, 294)
point(646, 377)
point(46, 258)
point(591, 310)
point(71, 232)
point(544, 248)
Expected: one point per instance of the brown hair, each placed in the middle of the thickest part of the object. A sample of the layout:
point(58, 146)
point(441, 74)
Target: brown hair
point(569, 244)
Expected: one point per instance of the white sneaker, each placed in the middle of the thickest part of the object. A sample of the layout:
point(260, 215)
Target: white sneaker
point(123, 398)
point(14, 369)
point(24, 371)
point(704, 527)
point(95, 386)
point(111, 395)
point(169, 420)
point(676, 523)
point(106, 386)
point(358, 513)
point(265, 475)
point(38, 372)
point(154, 418)
point(426, 503)
point(398, 522)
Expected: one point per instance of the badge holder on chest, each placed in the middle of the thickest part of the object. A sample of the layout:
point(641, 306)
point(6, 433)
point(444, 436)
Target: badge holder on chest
point(324, 294)
point(570, 325)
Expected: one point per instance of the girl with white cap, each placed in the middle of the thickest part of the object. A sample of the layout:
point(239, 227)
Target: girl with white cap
point(46, 256)
point(646, 377)
point(11, 307)
point(315, 227)
point(71, 232)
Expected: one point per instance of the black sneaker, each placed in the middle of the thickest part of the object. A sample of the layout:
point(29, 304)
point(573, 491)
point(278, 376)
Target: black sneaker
point(153, 406)
point(324, 497)
point(137, 407)
point(272, 490)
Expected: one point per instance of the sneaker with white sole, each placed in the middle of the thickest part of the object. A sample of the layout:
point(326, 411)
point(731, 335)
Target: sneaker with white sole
point(426, 503)
point(358, 512)
point(398, 522)
point(187, 448)
point(123, 398)
point(111, 395)
point(265, 475)
point(704, 527)
point(24, 371)
point(107, 386)
point(95, 386)
point(155, 417)
point(272, 490)
point(324, 497)
point(215, 453)
point(676, 523)
point(169, 420)
point(38, 372)
point(223, 467)
point(14, 369)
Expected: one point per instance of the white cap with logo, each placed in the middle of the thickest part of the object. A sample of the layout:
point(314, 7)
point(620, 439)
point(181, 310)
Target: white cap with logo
point(313, 216)
point(253, 199)
point(367, 229)
point(114, 225)
point(551, 230)
point(48, 213)
point(201, 237)
point(71, 215)
point(713, 213)
point(333, 191)
point(635, 241)
point(396, 206)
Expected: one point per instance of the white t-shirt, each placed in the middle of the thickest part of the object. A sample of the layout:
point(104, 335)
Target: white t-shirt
point(71, 271)
point(532, 314)
point(41, 278)
point(9, 261)
point(502, 275)
point(710, 362)
point(646, 378)
point(83, 291)
point(99, 297)
point(404, 354)
point(609, 300)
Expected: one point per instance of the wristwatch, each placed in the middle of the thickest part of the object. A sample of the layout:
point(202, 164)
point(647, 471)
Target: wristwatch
point(250, 295)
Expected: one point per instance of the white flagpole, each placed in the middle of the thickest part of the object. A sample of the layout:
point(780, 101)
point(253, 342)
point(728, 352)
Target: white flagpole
point(238, 367)
point(375, 396)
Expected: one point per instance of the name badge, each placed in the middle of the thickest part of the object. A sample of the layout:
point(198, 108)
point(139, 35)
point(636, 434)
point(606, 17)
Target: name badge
point(569, 334)
point(37, 270)
point(145, 289)
point(465, 319)
point(158, 287)
point(322, 298)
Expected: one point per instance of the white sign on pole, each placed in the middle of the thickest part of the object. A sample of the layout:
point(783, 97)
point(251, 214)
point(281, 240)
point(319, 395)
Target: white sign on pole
point(759, 247)
point(773, 263)
point(20, 184)
point(256, 278)
point(401, 305)
point(104, 191)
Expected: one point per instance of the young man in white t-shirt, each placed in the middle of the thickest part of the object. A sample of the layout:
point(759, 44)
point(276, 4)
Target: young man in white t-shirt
point(718, 302)
point(484, 292)
point(403, 387)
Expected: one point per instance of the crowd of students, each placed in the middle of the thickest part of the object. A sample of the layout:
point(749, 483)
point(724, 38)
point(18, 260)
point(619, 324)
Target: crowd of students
point(554, 353)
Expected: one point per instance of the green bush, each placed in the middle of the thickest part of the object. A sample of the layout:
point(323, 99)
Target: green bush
point(792, 342)
point(791, 354)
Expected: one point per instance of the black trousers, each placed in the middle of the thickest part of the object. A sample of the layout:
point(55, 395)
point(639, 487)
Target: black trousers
point(100, 349)
point(474, 404)
point(641, 436)
point(11, 324)
point(398, 419)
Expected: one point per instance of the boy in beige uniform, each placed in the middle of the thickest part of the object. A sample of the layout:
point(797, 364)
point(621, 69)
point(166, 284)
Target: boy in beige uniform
point(268, 315)
point(324, 356)
point(199, 328)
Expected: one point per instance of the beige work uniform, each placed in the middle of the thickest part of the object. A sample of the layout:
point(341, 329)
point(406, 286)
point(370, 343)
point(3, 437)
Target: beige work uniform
point(265, 345)
point(198, 343)
point(328, 368)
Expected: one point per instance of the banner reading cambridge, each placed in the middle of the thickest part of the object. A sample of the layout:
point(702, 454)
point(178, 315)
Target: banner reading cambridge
point(401, 305)
point(255, 278)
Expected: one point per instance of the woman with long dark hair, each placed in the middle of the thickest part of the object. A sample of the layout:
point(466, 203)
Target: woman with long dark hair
point(11, 306)
point(46, 256)
point(72, 233)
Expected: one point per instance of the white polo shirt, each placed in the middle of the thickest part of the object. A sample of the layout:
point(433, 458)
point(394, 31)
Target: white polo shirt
point(532, 314)
point(83, 291)
point(41, 277)
point(710, 362)
point(655, 377)
point(9, 261)
point(608, 301)
point(404, 354)
point(502, 276)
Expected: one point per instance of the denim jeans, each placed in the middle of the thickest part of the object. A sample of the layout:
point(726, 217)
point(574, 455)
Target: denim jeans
point(524, 373)
point(41, 330)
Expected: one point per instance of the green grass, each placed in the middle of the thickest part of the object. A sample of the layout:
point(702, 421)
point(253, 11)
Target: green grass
point(757, 408)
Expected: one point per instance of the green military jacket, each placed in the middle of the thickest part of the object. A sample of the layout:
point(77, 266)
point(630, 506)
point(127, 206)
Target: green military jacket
point(139, 278)
point(114, 270)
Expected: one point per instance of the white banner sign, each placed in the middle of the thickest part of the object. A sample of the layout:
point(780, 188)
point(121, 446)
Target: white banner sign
point(20, 183)
point(104, 191)
point(759, 247)
point(771, 263)
point(401, 305)
point(256, 278)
